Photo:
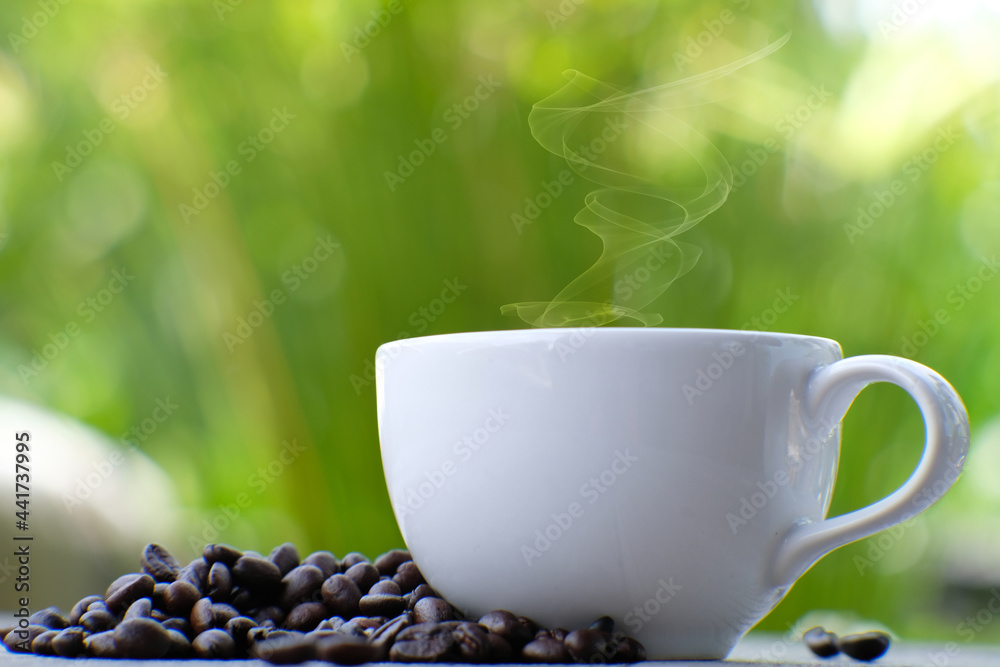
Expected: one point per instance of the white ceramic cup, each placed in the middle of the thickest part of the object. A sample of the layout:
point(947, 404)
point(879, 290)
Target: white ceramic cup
point(676, 480)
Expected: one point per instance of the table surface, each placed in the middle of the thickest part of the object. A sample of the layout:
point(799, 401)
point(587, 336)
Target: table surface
point(758, 650)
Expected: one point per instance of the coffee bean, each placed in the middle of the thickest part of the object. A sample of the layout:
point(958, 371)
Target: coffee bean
point(221, 553)
point(471, 641)
point(417, 594)
point(69, 642)
point(424, 642)
point(256, 573)
point(141, 639)
point(287, 650)
point(80, 607)
point(220, 582)
point(306, 616)
point(101, 645)
point(362, 626)
point(159, 590)
point(500, 649)
point(180, 646)
point(125, 590)
point(433, 610)
point(865, 646)
point(195, 573)
point(285, 556)
point(242, 598)
point(545, 649)
point(345, 650)
point(385, 586)
point(182, 625)
point(98, 605)
point(821, 642)
point(629, 650)
point(508, 626)
point(342, 596)
point(16, 642)
point(364, 575)
point(587, 645)
point(300, 585)
point(180, 597)
point(141, 608)
point(382, 604)
point(98, 621)
point(158, 615)
point(407, 576)
point(49, 617)
point(390, 561)
point(332, 623)
point(159, 564)
point(202, 617)
point(386, 634)
point(325, 561)
point(214, 644)
point(352, 559)
point(42, 644)
point(604, 624)
point(239, 626)
point(270, 614)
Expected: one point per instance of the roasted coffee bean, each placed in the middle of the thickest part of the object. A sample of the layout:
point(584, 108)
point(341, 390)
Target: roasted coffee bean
point(629, 650)
point(472, 642)
point(287, 650)
point(364, 575)
point(158, 615)
point(587, 645)
point(207, 614)
point(270, 614)
point(42, 644)
point(242, 598)
point(432, 610)
point(182, 625)
point(500, 649)
point(306, 616)
point(408, 577)
point(48, 617)
point(159, 590)
point(258, 634)
point(390, 561)
point(424, 642)
point(195, 573)
point(19, 639)
point(98, 605)
point(180, 597)
point(180, 646)
point(508, 626)
point(256, 573)
point(332, 623)
point(362, 626)
point(125, 590)
point(342, 596)
point(382, 604)
point(239, 626)
point(420, 592)
point(325, 561)
point(159, 564)
point(141, 639)
point(604, 624)
point(220, 582)
point(386, 634)
point(214, 644)
point(221, 553)
point(385, 587)
point(300, 585)
point(80, 607)
point(101, 645)
point(352, 559)
point(141, 608)
point(98, 621)
point(865, 646)
point(285, 556)
point(821, 642)
point(69, 642)
point(545, 649)
point(345, 650)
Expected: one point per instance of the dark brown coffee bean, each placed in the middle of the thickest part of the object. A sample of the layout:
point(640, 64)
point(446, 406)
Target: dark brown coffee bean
point(386, 634)
point(285, 556)
point(242, 598)
point(587, 645)
point(545, 649)
point(432, 610)
point(195, 573)
point(69, 642)
point(821, 642)
point(159, 590)
point(270, 614)
point(239, 626)
point(417, 594)
point(221, 553)
point(301, 584)
point(352, 559)
point(141, 608)
point(500, 649)
point(219, 582)
point(508, 626)
point(258, 634)
point(363, 626)
point(345, 650)
point(256, 573)
point(181, 625)
point(141, 639)
point(286, 650)
point(98, 605)
point(158, 615)
point(388, 562)
point(864, 646)
point(365, 575)
point(424, 642)
point(159, 564)
point(306, 616)
point(80, 607)
point(125, 590)
point(101, 645)
point(629, 650)
point(48, 617)
point(408, 577)
point(19, 640)
point(382, 604)
point(604, 624)
point(342, 596)
point(202, 617)
point(325, 561)
point(559, 633)
point(98, 621)
point(42, 644)
point(332, 623)
point(180, 646)
point(214, 644)
point(180, 596)
point(385, 587)
point(472, 642)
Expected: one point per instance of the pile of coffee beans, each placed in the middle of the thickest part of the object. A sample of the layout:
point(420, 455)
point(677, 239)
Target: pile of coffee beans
point(283, 609)
point(865, 646)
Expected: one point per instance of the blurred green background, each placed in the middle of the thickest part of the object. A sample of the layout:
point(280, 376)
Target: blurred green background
point(229, 160)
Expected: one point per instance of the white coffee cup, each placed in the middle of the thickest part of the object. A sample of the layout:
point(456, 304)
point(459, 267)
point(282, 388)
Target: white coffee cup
point(676, 480)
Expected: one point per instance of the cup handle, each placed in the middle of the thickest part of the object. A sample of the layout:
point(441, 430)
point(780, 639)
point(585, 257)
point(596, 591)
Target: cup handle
point(828, 395)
